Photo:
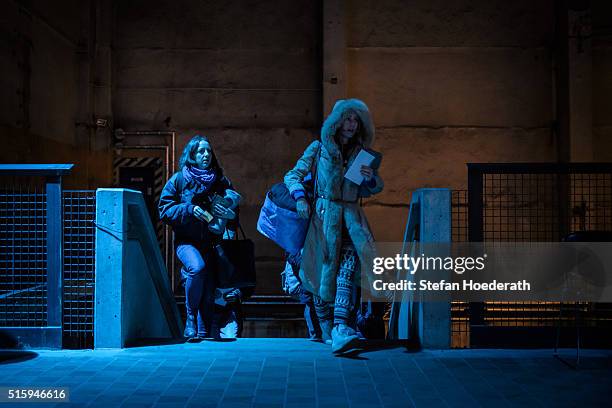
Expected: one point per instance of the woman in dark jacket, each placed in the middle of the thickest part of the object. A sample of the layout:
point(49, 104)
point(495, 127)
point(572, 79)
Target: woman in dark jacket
point(197, 201)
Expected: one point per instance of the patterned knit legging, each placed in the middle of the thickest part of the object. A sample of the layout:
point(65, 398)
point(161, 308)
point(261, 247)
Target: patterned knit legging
point(343, 307)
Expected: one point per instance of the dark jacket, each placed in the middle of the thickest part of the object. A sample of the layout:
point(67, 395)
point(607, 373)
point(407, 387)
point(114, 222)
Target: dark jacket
point(176, 204)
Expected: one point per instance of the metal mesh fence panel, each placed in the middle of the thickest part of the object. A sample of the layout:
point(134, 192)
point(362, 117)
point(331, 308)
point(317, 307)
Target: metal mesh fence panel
point(460, 319)
point(23, 255)
point(79, 268)
point(533, 203)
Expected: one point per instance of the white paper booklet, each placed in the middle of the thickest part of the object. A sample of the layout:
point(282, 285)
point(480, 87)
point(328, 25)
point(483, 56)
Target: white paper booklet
point(363, 158)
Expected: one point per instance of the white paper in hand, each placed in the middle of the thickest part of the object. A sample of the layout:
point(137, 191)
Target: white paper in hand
point(354, 172)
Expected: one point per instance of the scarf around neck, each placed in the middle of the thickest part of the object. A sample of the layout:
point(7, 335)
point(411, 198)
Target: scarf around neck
point(203, 177)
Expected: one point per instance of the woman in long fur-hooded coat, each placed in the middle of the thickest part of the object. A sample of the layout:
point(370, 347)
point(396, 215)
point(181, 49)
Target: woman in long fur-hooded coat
point(337, 201)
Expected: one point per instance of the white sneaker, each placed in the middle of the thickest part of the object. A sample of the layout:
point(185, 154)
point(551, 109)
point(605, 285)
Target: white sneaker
point(343, 338)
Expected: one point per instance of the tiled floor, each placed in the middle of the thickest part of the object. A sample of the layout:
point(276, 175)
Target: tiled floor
point(298, 373)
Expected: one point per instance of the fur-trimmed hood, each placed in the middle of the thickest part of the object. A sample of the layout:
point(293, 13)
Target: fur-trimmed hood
point(334, 122)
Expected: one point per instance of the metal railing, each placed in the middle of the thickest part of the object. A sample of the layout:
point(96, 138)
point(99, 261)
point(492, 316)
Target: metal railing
point(23, 256)
point(527, 202)
point(460, 318)
point(31, 250)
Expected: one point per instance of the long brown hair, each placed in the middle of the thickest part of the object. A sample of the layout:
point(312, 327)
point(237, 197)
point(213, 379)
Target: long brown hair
point(188, 155)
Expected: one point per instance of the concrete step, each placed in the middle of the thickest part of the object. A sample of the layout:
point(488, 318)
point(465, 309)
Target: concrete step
point(267, 327)
point(274, 316)
point(272, 307)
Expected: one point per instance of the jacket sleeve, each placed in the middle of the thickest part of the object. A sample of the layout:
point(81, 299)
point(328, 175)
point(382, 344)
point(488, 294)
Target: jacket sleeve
point(294, 177)
point(231, 225)
point(375, 186)
point(171, 210)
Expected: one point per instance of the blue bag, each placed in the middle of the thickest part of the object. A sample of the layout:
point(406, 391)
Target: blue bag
point(283, 226)
point(278, 218)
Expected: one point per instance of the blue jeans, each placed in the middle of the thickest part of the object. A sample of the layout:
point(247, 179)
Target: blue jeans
point(307, 299)
point(199, 281)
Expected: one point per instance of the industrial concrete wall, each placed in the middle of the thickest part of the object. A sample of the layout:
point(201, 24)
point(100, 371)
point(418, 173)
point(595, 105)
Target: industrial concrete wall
point(246, 74)
point(39, 79)
point(602, 79)
point(450, 83)
point(43, 52)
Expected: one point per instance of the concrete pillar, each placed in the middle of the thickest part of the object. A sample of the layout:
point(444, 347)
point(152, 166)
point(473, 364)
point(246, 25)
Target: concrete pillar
point(435, 227)
point(111, 228)
point(412, 318)
point(102, 92)
point(574, 87)
point(580, 83)
point(334, 53)
point(23, 50)
point(84, 60)
point(133, 296)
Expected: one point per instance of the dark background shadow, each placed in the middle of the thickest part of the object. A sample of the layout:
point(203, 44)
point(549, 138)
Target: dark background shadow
point(16, 356)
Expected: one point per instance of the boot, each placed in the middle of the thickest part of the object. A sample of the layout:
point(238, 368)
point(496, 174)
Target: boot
point(343, 338)
point(215, 329)
point(190, 327)
point(326, 331)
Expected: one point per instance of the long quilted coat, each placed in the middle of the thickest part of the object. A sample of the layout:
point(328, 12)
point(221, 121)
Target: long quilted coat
point(337, 202)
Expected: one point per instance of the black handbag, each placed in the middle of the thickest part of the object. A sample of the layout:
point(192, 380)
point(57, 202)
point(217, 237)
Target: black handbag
point(235, 259)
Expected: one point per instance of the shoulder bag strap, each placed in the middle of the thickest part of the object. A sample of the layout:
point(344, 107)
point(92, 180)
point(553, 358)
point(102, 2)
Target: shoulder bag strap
point(241, 230)
point(315, 171)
